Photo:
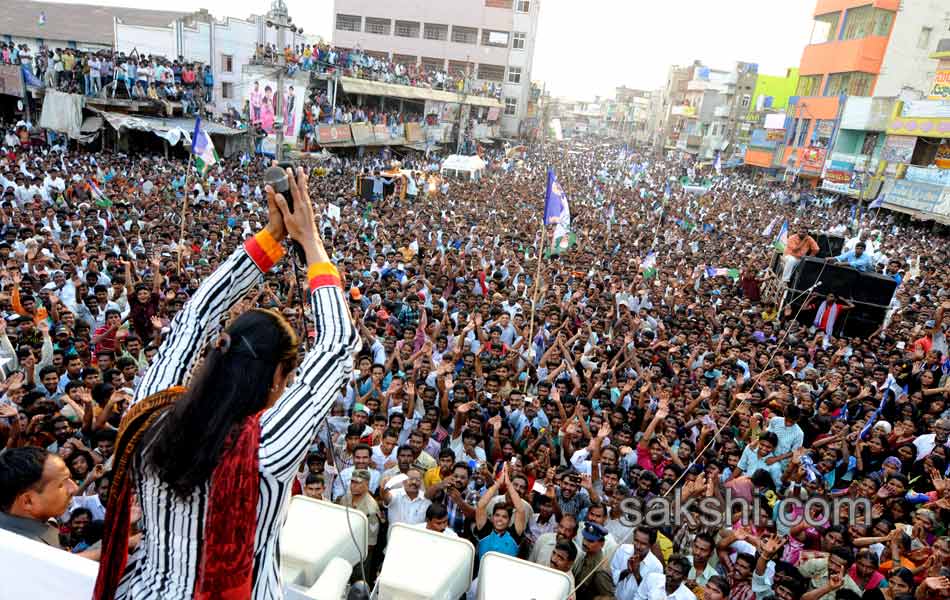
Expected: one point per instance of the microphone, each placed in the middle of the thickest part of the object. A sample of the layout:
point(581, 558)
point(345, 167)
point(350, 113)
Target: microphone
point(276, 177)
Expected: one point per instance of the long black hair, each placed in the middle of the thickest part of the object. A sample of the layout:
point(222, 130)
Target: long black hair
point(233, 383)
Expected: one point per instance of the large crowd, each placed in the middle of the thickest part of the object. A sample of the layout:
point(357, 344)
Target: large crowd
point(533, 405)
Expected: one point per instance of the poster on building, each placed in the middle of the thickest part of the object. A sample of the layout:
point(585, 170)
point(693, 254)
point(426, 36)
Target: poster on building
point(493, 113)
point(381, 133)
point(329, 134)
point(921, 197)
point(898, 148)
point(813, 159)
point(362, 134)
point(11, 80)
point(774, 135)
point(414, 133)
point(262, 100)
point(941, 87)
point(942, 159)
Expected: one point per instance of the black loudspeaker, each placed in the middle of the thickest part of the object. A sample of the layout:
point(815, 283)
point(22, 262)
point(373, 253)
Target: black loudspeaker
point(861, 321)
point(874, 288)
point(835, 278)
point(829, 244)
point(366, 188)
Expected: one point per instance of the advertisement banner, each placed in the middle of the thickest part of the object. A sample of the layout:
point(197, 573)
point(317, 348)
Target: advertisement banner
point(362, 134)
point(381, 133)
point(262, 98)
point(774, 135)
point(942, 159)
point(493, 113)
point(941, 86)
point(838, 176)
point(898, 148)
point(928, 109)
point(11, 80)
point(331, 134)
point(921, 197)
point(813, 159)
point(414, 133)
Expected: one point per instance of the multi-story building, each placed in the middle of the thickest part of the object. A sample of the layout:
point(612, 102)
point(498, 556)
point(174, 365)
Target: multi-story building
point(857, 48)
point(61, 25)
point(705, 108)
point(673, 109)
point(224, 44)
point(488, 41)
point(915, 155)
point(769, 97)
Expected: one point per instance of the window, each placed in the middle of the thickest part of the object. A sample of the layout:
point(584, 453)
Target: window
point(435, 31)
point(407, 29)
point(825, 28)
point(863, 21)
point(464, 35)
point(514, 74)
point(809, 85)
point(349, 22)
point(457, 67)
point(823, 130)
point(433, 64)
point(857, 22)
point(923, 40)
point(498, 39)
point(851, 84)
point(404, 59)
point(378, 26)
point(803, 131)
point(227, 63)
point(491, 72)
point(511, 106)
point(883, 19)
point(523, 6)
point(227, 90)
point(518, 40)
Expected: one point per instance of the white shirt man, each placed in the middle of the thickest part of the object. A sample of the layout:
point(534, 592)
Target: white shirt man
point(403, 508)
point(653, 587)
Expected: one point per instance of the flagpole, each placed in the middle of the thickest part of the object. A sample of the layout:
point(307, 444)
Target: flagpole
point(534, 295)
point(184, 207)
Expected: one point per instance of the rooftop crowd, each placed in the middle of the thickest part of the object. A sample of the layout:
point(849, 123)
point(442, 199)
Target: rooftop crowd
point(354, 62)
point(657, 364)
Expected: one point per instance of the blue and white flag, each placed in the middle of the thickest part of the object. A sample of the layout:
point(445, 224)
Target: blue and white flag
point(556, 209)
point(202, 148)
point(878, 202)
point(718, 163)
point(667, 192)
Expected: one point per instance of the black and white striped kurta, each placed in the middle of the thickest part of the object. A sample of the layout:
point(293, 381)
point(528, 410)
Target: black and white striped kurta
point(165, 564)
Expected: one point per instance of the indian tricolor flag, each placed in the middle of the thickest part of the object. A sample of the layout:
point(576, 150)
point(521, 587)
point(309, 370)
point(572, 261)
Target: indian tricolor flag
point(202, 148)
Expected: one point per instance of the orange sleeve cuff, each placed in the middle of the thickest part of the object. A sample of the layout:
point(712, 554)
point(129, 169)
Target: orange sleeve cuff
point(264, 250)
point(323, 274)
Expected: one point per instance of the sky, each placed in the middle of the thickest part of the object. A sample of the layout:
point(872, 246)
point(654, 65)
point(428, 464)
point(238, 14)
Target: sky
point(589, 48)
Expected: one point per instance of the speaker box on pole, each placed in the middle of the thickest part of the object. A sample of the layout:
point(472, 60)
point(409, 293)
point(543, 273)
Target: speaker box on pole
point(366, 188)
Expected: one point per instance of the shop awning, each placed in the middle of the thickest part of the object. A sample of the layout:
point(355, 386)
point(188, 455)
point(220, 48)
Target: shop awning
point(377, 88)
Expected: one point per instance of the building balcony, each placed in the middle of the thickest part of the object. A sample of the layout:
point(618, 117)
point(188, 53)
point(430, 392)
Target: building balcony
point(841, 56)
point(824, 7)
